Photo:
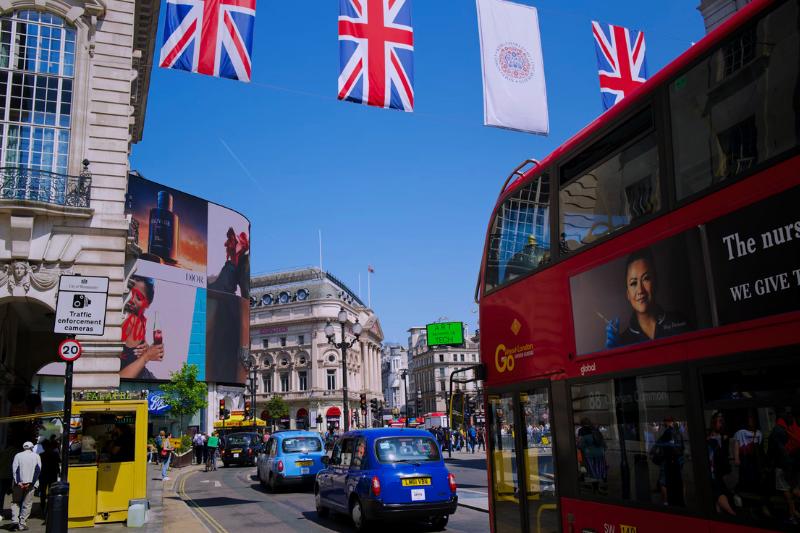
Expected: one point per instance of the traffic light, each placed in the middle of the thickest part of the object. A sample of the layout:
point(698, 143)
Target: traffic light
point(363, 402)
point(246, 409)
point(222, 409)
point(373, 405)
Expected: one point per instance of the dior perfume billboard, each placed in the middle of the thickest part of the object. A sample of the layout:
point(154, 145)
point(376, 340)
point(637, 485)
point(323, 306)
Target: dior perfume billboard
point(188, 284)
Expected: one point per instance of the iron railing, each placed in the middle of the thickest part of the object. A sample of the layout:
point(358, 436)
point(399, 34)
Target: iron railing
point(20, 183)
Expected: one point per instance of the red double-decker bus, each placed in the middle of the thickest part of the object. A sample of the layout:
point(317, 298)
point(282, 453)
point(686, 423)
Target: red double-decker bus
point(640, 304)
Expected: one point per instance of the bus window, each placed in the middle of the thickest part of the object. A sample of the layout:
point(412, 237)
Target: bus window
point(520, 238)
point(505, 477)
point(632, 440)
point(738, 107)
point(610, 195)
point(753, 441)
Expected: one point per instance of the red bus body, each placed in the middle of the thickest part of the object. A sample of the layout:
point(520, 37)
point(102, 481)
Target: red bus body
point(534, 313)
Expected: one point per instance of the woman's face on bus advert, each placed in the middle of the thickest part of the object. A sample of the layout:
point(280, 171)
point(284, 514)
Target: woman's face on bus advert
point(641, 286)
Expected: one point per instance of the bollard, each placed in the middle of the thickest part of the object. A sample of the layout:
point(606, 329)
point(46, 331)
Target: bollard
point(57, 507)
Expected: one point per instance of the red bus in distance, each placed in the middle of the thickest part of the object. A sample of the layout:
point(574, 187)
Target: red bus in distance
point(640, 304)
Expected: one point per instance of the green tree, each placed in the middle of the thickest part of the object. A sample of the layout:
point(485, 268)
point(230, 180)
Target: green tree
point(184, 393)
point(276, 408)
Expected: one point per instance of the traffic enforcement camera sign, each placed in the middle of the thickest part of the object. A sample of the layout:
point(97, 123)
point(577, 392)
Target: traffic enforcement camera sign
point(81, 307)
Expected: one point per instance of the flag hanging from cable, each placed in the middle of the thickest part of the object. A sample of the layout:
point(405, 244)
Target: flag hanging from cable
point(212, 37)
point(376, 53)
point(514, 91)
point(370, 269)
point(620, 61)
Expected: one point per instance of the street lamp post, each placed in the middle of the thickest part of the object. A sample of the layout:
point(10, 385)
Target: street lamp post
point(404, 375)
point(250, 364)
point(330, 332)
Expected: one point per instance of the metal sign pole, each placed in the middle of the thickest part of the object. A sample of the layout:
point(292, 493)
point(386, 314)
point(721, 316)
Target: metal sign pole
point(58, 497)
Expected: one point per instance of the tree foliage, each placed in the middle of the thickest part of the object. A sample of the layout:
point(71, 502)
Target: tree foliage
point(184, 393)
point(276, 407)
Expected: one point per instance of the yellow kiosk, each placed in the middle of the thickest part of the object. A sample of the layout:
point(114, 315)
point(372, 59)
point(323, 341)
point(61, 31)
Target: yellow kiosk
point(107, 456)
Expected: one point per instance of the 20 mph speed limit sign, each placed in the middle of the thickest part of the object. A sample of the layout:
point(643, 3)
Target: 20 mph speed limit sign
point(69, 350)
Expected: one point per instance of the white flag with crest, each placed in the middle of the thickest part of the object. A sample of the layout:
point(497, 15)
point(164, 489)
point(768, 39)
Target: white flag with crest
point(514, 92)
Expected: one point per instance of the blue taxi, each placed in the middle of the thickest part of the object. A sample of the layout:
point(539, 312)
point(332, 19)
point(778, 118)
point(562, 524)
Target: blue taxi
point(375, 474)
point(290, 458)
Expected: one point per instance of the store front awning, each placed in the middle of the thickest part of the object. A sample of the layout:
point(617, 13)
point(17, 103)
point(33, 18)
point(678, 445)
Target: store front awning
point(333, 412)
point(238, 421)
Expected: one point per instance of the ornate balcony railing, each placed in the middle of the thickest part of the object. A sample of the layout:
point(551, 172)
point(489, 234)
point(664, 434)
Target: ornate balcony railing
point(20, 183)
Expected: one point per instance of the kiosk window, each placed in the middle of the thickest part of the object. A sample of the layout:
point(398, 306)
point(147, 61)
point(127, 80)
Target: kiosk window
point(107, 437)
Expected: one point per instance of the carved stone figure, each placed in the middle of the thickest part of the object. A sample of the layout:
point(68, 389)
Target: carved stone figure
point(18, 277)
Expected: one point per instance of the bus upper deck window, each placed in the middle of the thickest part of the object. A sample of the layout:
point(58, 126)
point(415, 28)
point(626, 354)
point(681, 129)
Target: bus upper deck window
point(520, 239)
point(610, 195)
point(737, 107)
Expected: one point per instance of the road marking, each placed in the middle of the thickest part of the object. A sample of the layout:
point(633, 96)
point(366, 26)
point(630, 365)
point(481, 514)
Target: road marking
point(196, 507)
point(217, 484)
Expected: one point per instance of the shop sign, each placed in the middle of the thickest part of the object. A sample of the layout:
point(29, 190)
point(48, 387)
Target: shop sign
point(107, 396)
point(156, 404)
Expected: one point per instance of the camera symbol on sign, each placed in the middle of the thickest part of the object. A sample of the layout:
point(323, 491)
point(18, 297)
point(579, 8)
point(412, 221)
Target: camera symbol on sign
point(79, 301)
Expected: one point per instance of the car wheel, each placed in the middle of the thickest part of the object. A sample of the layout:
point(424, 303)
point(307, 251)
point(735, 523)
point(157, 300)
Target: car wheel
point(357, 515)
point(438, 523)
point(225, 464)
point(322, 511)
point(273, 483)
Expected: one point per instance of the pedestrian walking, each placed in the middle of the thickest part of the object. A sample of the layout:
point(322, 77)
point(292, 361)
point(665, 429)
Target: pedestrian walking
point(50, 468)
point(166, 456)
point(472, 434)
point(26, 468)
point(197, 444)
point(481, 439)
point(159, 440)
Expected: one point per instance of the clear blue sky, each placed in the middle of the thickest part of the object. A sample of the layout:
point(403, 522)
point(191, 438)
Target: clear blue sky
point(409, 193)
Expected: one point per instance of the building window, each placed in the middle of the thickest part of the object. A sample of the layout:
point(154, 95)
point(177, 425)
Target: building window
point(474, 358)
point(331, 379)
point(441, 358)
point(462, 357)
point(284, 382)
point(455, 357)
point(265, 343)
point(443, 386)
point(37, 67)
point(301, 339)
point(441, 372)
point(283, 341)
point(303, 380)
point(267, 383)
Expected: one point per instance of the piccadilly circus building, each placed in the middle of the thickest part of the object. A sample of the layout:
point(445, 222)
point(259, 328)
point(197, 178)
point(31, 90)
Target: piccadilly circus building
point(294, 360)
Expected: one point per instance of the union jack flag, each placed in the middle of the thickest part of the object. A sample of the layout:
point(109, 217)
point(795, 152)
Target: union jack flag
point(620, 61)
point(212, 37)
point(376, 53)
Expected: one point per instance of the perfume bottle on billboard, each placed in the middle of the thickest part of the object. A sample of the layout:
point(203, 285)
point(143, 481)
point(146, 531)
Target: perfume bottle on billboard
point(163, 239)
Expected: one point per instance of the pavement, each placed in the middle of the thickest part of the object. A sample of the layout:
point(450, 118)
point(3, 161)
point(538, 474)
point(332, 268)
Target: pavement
point(172, 507)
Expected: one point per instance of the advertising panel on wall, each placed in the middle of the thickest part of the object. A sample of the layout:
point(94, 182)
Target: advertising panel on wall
point(742, 266)
point(188, 280)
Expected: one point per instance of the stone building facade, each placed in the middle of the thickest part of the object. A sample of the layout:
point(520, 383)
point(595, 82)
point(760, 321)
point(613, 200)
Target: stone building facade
point(74, 77)
point(394, 362)
point(288, 314)
point(430, 368)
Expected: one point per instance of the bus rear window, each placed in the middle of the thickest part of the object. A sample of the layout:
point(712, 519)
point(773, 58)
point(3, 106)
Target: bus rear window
point(520, 238)
point(407, 450)
point(738, 107)
point(302, 445)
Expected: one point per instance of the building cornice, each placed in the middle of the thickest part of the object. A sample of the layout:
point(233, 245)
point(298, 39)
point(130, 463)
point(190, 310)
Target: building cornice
point(144, 43)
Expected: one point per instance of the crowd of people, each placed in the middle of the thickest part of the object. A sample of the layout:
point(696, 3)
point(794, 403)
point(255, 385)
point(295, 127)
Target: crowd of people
point(468, 439)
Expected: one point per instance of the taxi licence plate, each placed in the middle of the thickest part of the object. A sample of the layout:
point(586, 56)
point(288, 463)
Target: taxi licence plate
point(236, 451)
point(416, 481)
point(304, 463)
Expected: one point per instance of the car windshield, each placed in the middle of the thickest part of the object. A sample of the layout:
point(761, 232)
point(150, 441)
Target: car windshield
point(238, 440)
point(301, 444)
point(411, 449)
